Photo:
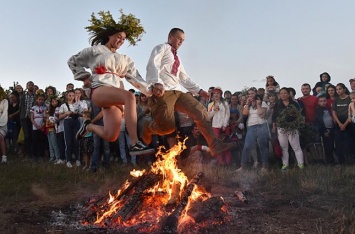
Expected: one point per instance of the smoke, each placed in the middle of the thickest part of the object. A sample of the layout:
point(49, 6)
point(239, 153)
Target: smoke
point(40, 192)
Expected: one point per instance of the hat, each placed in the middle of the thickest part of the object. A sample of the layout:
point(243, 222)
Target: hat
point(218, 89)
point(351, 80)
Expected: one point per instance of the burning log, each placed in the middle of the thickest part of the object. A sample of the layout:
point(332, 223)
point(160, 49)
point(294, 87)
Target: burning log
point(212, 208)
point(102, 201)
point(175, 195)
point(171, 222)
point(136, 199)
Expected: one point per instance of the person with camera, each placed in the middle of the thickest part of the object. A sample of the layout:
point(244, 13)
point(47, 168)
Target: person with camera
point(257, 130)
point(69, 112)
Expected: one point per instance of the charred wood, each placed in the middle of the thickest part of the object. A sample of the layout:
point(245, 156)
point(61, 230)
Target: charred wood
point(137, 197)
point(171, 222)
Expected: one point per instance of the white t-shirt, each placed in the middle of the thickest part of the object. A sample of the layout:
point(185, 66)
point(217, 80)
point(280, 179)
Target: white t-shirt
point(38, 115)
point(253, 117)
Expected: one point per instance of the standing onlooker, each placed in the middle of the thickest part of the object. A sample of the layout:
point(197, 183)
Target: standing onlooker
point(69, 113)
point(342, 128)
point(50, 91)
point(236, 126)
point(310, 134)
point(287, 120)
point(218, 111)
point(38, 125)
point(80, 104)
point(257, 131)
point(331, 94)
point(272, 98)
point(4, 104)
point(326, 128)
point(86, 144)
point(352, 84)
point(54, 153)
point(227, 96)
point(14, 119)
point(322, 84)
point(19, 90)
point(123, 143)
point(99, 143)
point(27, 101)
point(69, 87)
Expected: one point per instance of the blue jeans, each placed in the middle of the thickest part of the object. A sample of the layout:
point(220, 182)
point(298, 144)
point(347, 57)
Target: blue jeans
point(71, 127)
point(256, 134)
point(98, 142)
point(53, 145)
point(61, 145)
point(123, 141)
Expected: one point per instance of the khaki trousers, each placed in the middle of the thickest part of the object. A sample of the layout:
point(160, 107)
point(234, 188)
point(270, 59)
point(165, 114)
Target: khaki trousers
point(163, 113)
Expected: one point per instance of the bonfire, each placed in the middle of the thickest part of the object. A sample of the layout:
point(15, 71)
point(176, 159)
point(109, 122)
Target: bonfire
point(161, 200)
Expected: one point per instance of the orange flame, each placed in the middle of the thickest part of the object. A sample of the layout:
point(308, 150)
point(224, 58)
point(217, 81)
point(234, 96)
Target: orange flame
point(153, 207)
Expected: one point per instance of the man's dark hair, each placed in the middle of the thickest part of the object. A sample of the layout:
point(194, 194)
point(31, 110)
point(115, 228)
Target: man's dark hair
point(175, 30)
point(306, 84)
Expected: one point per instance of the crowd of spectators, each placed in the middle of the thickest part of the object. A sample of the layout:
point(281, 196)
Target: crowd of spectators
point(319, 126)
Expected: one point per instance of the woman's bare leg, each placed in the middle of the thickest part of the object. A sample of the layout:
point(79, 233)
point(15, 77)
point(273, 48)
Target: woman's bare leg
point(112, 122)
point(105, 96)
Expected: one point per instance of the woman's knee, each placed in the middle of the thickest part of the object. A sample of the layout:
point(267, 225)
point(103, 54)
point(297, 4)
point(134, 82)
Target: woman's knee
point(111, 136)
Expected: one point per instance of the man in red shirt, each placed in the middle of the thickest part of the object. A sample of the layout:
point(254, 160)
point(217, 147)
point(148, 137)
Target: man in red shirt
point(311, 137)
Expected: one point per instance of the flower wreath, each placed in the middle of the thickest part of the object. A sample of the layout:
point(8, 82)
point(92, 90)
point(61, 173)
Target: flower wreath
point(290, 119)
point(127, 23)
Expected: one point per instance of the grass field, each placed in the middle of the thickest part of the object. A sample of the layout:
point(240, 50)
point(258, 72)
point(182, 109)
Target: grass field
point(318, 199)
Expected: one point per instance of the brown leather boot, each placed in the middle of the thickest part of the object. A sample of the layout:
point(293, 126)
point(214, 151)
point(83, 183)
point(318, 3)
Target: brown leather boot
point(219, 147)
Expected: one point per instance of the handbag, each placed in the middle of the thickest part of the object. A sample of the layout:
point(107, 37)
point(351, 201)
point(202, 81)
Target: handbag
point(21, 137)
point(277, 148)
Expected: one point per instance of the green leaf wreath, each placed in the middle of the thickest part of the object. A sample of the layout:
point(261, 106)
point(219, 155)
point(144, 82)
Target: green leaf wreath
point(290, 119)
point(127, 23)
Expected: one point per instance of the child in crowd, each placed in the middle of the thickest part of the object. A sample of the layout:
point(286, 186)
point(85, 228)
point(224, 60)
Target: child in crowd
point(87, 144)
point(326, 127)
point(324, 80)
point(271, 85)
point(51, 129)
point(38, 125)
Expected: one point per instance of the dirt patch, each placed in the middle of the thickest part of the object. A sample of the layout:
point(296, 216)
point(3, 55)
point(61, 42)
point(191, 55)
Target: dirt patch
point(265, 212)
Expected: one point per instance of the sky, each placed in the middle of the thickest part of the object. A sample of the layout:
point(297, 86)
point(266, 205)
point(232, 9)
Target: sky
point(232, 44)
